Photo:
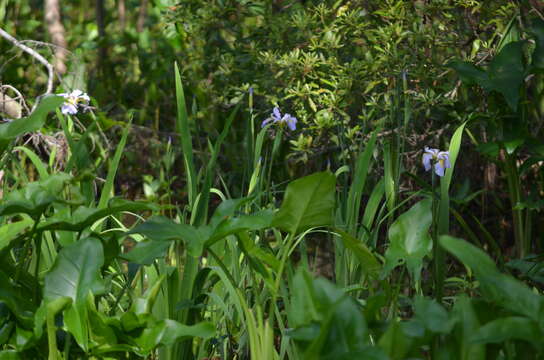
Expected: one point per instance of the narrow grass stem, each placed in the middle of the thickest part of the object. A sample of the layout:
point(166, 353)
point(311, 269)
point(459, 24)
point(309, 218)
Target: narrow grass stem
point(438, 256)
point(277, 283)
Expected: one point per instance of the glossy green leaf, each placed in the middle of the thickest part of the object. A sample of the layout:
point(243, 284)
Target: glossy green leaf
point(76, 272)
point(499, 288)
point(308, 202)
point(409, 239)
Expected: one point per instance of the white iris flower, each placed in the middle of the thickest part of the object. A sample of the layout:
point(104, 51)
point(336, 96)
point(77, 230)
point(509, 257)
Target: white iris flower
point(73, 100)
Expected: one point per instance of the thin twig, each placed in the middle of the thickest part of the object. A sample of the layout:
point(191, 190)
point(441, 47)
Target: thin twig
point(19, 97)
point(34, 54)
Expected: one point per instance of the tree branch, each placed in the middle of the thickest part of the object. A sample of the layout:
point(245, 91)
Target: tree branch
point(34, 54)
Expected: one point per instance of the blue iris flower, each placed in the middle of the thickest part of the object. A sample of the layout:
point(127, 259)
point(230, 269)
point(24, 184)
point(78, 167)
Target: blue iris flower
point(286, 119)
point(440, 159)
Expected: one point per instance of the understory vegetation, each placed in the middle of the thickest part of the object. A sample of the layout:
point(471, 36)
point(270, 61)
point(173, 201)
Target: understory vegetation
point(271, 179)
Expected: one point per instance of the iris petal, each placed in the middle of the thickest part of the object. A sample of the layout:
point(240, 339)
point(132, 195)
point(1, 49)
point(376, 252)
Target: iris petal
point(276, 114)
point(427, 161)
point(439, 169)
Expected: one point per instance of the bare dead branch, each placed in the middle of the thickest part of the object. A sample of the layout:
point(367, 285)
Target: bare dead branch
point(34, 54)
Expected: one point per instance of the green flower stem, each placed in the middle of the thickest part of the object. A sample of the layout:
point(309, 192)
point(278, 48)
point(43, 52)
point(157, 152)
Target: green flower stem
point(51, 336)
point(512, 176)
point(438, 255)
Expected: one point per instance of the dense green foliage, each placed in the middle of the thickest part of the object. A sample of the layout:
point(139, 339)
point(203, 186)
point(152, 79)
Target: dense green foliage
point(175, 217)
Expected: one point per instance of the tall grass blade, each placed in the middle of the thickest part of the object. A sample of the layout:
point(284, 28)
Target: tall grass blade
point(362, 168)
point(107, 190)
point(182, 126)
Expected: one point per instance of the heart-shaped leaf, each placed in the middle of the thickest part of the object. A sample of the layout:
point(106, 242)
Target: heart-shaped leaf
point(308, 202)
point(409, 239)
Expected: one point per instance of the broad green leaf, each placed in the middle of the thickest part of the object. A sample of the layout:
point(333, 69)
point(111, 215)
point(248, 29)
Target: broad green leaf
point(226, 209)
point(327, 322)
point(10, 231)
point(101, 333)
point(160, 228)
point(260, 220)
point(308, 202)
point(471, 74)
point(432, 315)
point(509, 328)
point(16, 299)
point(76, 319)
point(504, 74)
point(465, 328)
point(168, 332)
point(48, 309)
point(145, 252)
point(395, 342)
point(76, 272)
point(35, 197)
point(144, 305)
point(84, 217)
point(409, 239)
point(251, 250)
point(498, 288)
